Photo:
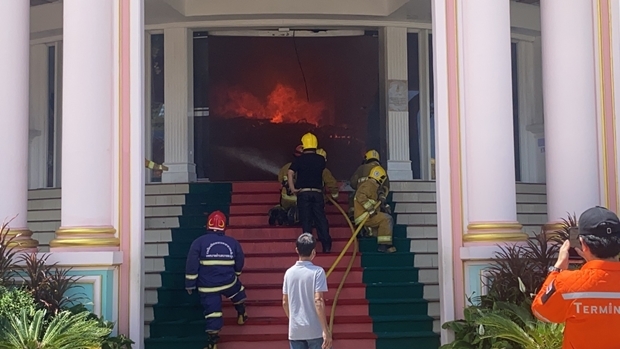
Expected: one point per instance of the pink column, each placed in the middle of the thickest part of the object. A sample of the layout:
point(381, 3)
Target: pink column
point(489, 138)
point(87, 129)
point(569, 85)
point(14, 70)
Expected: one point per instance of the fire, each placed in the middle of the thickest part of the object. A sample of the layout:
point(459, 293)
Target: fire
point(283, 105)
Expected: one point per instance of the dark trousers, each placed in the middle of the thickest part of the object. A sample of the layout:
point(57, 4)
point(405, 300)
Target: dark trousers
point(311, 206)
point(212, 303)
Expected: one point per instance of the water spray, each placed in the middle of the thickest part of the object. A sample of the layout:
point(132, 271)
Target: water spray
point(252, 158)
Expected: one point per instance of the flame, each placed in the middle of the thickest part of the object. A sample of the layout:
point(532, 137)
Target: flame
point(283, 105)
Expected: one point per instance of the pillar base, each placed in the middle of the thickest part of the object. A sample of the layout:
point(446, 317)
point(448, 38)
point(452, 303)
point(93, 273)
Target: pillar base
point(179, 173)
point(21, 240)
point(399, 170)
point(85, 238)
point(495, 232)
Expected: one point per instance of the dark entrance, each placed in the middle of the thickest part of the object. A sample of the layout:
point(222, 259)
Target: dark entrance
point(256, 96)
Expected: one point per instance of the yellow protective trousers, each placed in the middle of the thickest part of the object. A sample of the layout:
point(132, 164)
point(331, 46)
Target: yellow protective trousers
point(383, 223)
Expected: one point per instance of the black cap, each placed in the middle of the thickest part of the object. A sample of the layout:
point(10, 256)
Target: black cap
point(599, 221)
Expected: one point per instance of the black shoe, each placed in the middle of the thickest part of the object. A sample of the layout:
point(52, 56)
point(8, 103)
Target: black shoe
point(242, 318)
point(386, 249)
point(212, 339)
point(327, 248)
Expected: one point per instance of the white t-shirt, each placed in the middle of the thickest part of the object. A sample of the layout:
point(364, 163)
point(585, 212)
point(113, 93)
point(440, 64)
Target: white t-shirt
point(301, 281)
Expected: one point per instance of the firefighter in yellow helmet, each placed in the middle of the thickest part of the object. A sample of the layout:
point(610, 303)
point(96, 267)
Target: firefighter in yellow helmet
point(306, 180)
point(286, 211)
point(371, 159)
point(330, 183)
point(366, 205)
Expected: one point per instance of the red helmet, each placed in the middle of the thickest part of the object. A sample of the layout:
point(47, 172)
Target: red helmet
point(216, 221)
point(299, 150)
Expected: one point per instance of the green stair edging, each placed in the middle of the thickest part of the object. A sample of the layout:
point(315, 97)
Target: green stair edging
point(177, 313)
point(395, 295)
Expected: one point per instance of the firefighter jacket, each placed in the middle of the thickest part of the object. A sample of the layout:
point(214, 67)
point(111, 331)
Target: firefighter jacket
point(361, 175)
point(366, 198)
point(330, 183)
point(283, 179)
point(587, 300)
point(214, 259)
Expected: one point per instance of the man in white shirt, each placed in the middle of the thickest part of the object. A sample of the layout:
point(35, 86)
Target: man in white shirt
point(303, 302)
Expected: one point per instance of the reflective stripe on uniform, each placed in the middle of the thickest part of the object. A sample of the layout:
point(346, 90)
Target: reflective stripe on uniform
point(362, 180)
point(384, 239)
point(216, 314)
point(361, 217)
point(233, 296)
point(217, 288)
point(369, 204)
point(238, 273)
point(217, 262)
point(592, 295)
point(191, 277)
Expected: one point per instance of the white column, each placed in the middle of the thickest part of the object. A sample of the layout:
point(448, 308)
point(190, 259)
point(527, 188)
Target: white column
point(14, 69)
point(571, 146)
point(88, 112)
point(179, 106)
point(490, 167)
point(394, 47)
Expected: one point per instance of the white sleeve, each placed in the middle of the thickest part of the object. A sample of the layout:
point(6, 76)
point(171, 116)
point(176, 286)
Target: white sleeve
point(320, 281)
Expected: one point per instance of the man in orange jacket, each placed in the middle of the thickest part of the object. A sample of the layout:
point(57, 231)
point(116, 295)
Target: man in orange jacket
point(587, 300)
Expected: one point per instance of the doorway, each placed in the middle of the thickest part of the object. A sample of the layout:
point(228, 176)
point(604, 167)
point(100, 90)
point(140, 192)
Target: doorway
point(255, 96)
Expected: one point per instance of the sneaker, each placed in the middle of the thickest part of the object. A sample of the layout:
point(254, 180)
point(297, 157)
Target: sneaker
point(242, 318)
point(386, 249)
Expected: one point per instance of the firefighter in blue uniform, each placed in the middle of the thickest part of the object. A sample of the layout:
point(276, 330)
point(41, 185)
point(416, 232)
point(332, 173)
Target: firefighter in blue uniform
point(213, 265)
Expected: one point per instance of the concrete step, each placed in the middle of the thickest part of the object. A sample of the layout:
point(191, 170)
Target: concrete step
point(166, 188)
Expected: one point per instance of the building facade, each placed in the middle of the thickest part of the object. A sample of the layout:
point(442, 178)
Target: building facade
point(476, 95)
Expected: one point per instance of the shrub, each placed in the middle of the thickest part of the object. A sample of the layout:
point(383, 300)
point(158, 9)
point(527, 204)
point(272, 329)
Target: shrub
point(7, 256)
point(13, 300)
point(65, 331)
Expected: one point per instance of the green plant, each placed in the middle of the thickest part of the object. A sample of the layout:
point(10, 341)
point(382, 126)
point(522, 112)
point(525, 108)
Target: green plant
point(109, 342)
point(49, 284)
point(7, 255)
point(13, 300)
point(65, 331)
point(518, 271)
point(516, 324)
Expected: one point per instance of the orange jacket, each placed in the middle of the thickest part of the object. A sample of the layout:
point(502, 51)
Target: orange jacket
point(588, 301)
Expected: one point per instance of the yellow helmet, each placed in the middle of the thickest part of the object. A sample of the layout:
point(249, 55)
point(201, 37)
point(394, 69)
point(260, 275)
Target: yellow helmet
point(322, 152)
point(309, 141)
point(372, 154)
point(378, 173)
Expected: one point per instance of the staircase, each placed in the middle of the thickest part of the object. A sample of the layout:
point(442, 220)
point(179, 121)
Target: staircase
point(381, 305)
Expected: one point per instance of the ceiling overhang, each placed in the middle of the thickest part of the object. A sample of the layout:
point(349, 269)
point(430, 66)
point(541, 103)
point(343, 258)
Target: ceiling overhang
point(195, 8)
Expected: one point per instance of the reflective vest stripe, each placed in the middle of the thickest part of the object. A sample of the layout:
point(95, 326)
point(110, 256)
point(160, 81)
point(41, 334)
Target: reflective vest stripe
point(233, 296)
point(384, 239)
point(191, 277)
point(217, 262)
point(217, 288)
point(216, 314)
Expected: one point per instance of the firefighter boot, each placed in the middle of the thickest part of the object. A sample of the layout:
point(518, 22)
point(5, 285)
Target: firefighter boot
point(242, 315)
point(212, 339)
point(273, 215)
point(386, 248)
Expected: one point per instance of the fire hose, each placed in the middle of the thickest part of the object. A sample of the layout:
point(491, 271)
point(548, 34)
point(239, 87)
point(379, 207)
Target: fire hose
point(352, 239)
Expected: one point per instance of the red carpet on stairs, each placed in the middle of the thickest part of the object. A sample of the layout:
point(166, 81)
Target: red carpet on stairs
point(269, 252)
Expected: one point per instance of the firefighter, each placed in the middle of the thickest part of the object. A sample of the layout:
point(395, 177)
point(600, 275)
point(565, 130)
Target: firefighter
point(306, 173)
point(366, 203)
point(286, 211)
point(371, 159)
point(330, 183)
point(213, 265)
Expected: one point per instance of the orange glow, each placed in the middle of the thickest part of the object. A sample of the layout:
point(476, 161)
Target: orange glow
point(283, 105)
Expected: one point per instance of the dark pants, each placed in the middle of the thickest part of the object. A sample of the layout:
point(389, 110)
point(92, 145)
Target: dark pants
point(311, 206)
point(212, 304)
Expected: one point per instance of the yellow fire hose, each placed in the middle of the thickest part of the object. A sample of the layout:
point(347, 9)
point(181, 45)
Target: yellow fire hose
point(344, 250)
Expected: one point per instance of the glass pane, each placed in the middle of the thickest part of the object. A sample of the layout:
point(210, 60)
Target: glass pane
point(432, 103)
point(201, 104)
point(413, 69)
point(51, 123)
point(157, 103)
